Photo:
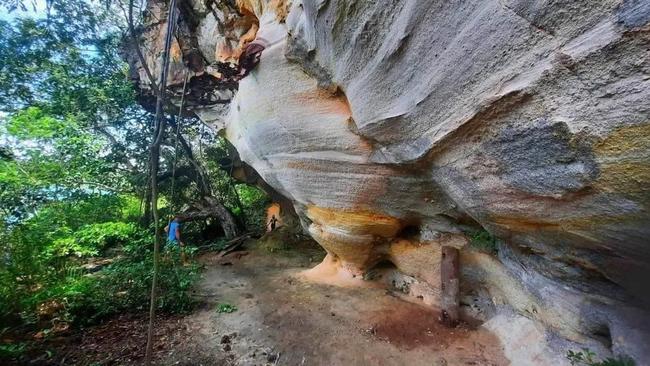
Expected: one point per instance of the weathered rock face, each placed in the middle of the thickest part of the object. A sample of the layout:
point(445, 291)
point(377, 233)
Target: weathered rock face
point(394, 127)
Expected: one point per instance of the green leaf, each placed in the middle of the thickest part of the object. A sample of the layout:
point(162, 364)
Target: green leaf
point(33, 123)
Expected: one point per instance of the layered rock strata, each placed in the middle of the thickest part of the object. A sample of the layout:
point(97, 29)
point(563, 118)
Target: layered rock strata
point(397, 127)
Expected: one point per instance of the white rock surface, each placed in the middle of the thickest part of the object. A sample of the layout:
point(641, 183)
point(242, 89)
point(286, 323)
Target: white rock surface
point(381, 120)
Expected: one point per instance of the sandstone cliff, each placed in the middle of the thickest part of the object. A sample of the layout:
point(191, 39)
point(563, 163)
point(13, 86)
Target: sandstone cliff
point(397, 127)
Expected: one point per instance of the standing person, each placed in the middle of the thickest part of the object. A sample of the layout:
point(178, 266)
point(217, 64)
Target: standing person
point(273, 222)
point(173, 231)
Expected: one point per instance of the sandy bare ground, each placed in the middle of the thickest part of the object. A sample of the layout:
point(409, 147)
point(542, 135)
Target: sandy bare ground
point(282, 319)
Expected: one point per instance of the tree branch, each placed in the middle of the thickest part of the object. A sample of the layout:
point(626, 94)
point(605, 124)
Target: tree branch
point(211, 207)
point(184, 171)
point(204, 184)
point(114, 141)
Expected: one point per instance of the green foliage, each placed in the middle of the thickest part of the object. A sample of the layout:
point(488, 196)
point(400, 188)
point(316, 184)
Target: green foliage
point(251, 195)
point(73, 161)
point(484, 241)
point(33, 123)
point(254, 202)
point(71, 173)
point(46, 253)
point(130, 208)
point(125, 286)
point(248, 202)
point(81, 225)
point(65, 162)
point(64, 59)
point(90, 239)
point(586, 357)
point(64, 93)
point(226, 308)
point(79, 296)
point(9, 351)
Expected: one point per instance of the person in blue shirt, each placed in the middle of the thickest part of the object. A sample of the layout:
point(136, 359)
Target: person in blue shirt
point(173, 231)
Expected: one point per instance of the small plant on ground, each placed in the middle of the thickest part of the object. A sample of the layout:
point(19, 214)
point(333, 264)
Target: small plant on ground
point(226, 308)
point(484, 241)
point(586, 357)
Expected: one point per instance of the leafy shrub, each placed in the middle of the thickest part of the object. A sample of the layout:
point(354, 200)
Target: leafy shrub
point(34, 123)
point(91, 239)
point(254, 202)
point(121, 287)
point(587, 357)
point(49, 273)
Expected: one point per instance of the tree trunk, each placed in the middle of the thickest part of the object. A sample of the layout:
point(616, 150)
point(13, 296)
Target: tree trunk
point(450, 286)
point(146, 215)
point(201, 177)
point(154, 161)
point(211, 207)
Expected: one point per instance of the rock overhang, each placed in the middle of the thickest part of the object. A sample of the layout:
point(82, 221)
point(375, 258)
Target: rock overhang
point(439, 117)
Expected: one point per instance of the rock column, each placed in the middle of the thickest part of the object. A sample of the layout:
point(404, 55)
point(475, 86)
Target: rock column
point(450, 286)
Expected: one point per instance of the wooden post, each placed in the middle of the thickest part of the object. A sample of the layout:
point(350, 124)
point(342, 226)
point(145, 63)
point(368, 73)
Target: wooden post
point(450, 286)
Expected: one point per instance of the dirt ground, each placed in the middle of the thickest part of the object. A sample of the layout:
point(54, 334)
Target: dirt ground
point(282, 319)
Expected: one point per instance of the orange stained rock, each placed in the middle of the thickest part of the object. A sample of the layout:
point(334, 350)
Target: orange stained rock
point(422, 259)
point(356, 252)
point(241, 25)
point(254, 7)
point(248, 37)
point(332, 271)
point(238, 30)
point(624, 164)
point(280, 8)
point(175, 51)
point(324, 101)
point(273, 210)
point(625, 141)
point(355, 238)
point(356, 222)
point(417, 259)
point(225, 53)
point(257, 7)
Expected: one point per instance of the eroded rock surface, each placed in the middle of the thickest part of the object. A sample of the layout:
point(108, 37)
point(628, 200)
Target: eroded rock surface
point(396, 127)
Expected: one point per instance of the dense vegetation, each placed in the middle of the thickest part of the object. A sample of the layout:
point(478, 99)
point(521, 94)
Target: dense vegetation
point(76, 237)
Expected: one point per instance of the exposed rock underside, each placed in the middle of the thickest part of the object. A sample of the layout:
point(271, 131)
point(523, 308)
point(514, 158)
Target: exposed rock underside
point(393, 128)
